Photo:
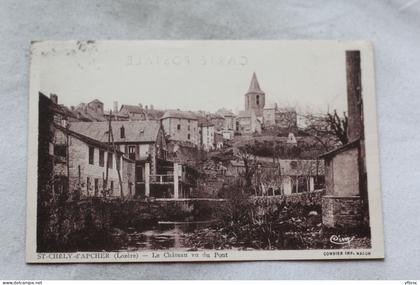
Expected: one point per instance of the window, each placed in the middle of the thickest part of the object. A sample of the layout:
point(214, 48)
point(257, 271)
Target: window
point(101, 158)
point(178, 127)
point(189, 127)
point(112, 186)
point(189, 136)
point(60, 150)
point(110, 160)
point(122, 132)
point(132, 152)
point(258, 99)
point(88, 183)
point(91, 155)
point(118, 161)
point(96, 187)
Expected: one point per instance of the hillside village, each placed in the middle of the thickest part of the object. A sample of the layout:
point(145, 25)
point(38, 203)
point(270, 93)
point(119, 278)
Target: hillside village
point(139, 151)
point(258, 173)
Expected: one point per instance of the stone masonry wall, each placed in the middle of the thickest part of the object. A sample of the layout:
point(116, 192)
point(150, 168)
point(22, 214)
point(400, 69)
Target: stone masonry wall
point(343, 212)
point(305, 199)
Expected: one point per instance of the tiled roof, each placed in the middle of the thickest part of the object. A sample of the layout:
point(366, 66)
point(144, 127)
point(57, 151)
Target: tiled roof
point(179, 115)
point(132, 109)
point(150, 114)
point(135, 131)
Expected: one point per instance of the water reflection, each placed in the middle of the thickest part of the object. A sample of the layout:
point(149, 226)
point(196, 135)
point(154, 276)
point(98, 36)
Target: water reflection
point(165, 235)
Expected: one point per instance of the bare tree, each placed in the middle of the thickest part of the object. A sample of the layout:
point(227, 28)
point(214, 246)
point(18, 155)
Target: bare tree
point(245, 154)
point(328, 130)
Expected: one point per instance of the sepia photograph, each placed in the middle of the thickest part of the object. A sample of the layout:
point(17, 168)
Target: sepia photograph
point(151, 151)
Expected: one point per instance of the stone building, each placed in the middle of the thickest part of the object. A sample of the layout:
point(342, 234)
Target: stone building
point(247, 122)
point(217, 120)
point(206, 133)
point(250, 120)
point(90, 112)
point(73, 165)
point(255, 97)
point(229, 119)
point(140, 113)
point(345, 203)
point(144, 142)
point(181, 126)
point(285, 177)
point(90, 164)
point(282, 118)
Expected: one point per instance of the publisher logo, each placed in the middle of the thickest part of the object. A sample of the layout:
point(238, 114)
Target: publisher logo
point(340, 240)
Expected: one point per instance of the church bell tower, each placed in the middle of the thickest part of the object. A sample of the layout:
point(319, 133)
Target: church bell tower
point(255, 97)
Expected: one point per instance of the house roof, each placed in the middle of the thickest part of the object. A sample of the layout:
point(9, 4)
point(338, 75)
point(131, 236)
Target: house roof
point(135, 131)
point(132, 109)
point(85, 139)
point(343, 148)
point(150, 114)
point(179, 115)
point(96, 101)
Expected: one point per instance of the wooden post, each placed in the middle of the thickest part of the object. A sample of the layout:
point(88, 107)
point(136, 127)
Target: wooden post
point(67, 155)
point(176, 181)
point(117, 158)
point(105, 186)
point(147, 179)
point(311, 184)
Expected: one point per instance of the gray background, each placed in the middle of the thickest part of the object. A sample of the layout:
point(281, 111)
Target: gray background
point(393, 27)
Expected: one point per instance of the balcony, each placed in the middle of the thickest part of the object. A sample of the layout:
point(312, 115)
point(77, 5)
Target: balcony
point(162, 179)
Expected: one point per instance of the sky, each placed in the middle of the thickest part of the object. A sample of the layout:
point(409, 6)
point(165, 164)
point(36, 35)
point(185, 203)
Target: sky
point(201, 75)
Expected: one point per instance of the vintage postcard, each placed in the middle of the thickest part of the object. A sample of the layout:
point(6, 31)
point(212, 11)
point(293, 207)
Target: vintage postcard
point(171, 151)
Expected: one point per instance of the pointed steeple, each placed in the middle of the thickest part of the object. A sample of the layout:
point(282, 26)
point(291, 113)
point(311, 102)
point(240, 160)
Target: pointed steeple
point(254, 86)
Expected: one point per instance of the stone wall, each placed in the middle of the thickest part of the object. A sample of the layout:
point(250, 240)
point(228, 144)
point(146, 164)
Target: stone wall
point(305, 199)
point(345, 212)
point(98, 223)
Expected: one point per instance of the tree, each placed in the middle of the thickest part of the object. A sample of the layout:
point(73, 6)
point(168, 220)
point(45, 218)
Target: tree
point(328, 130)
point(246, 155)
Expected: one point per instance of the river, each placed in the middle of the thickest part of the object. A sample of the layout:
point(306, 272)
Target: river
point(165, 235)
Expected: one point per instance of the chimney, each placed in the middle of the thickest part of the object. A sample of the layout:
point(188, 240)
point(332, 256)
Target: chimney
point(151, 107)
point(354, 96)
point(141, 106)
point(72, 108)
point(115, 107)
point(146, 107)
point(54, 98)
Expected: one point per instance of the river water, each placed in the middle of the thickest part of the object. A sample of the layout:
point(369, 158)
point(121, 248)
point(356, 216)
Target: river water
point(165, 235)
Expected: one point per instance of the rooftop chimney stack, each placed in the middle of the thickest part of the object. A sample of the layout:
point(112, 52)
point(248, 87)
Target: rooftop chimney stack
point(115, 107)
point(151, 107)
point(146, 107)
point(54, 98)
point(354, 96)
point(141, 105)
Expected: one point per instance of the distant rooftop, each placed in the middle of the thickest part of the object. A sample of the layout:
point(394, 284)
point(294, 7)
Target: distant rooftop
point(135, 131)
point(179, 115)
